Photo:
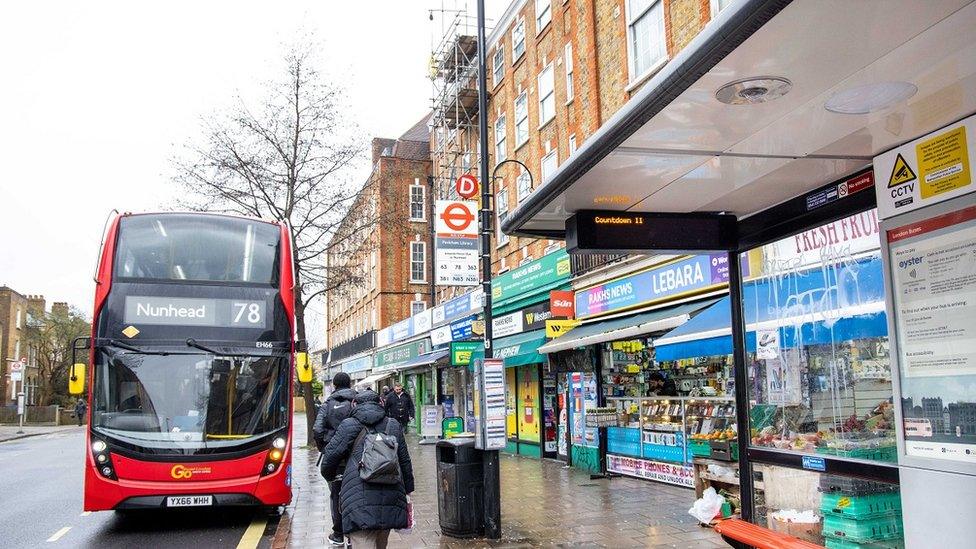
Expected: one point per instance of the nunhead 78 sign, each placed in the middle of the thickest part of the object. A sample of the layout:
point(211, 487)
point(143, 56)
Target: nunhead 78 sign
point(456, 243)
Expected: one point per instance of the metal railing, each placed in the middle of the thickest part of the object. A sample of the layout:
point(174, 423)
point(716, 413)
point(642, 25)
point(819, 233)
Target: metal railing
point(584, 263)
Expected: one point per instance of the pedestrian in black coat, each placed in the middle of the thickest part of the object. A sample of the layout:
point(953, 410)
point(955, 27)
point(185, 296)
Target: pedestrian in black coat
point(337, 408)
point(369, 510)
point(399, 405)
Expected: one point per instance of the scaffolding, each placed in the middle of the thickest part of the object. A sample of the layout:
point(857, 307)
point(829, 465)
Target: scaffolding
point(454, 78)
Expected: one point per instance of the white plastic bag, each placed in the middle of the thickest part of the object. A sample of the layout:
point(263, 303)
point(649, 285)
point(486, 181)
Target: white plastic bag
point(707, 507)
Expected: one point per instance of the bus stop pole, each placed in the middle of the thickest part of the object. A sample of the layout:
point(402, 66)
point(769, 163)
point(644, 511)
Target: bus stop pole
point(492, 481)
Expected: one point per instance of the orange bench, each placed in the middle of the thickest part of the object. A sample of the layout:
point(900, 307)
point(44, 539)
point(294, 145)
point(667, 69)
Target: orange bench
point(761, 538)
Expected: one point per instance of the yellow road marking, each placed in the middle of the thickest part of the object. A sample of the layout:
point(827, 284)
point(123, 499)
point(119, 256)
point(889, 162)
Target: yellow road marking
point(57, 535)
point(85, 514)
point(252, 536)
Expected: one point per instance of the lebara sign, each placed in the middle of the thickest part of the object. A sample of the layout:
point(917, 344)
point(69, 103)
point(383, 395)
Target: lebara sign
point(683, 277)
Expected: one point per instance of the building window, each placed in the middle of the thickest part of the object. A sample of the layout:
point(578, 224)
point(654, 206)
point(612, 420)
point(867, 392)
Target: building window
point(718, 5)
point(549, 164)
point(552, 247)
point(521, 119)
point(498, 65)
point(418, 211)
point(572, 144)
point(568, 64)
point(547, 96)
point(518, 40)
point(417, 307)
point(500, 151)
point(543, 14)
point(646, 41)
point(418, 262)
point(501, 213)
point(466, 162)
point(523, 185)
point(526, 260)
point(17, 350)
point(18, 318)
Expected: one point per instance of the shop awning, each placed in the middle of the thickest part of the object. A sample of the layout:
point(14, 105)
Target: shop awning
point(371, 379)
point(423, 360)
point(517, 350)
point(850, 80)
point(626, 327)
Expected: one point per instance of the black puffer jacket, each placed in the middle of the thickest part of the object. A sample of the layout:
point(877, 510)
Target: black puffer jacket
point(336, 408)
point(368, 506)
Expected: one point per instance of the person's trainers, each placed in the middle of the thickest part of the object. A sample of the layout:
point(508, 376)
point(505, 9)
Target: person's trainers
point(337, 540)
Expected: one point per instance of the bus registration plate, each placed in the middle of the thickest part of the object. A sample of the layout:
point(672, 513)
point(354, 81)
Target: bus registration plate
point(188, 501)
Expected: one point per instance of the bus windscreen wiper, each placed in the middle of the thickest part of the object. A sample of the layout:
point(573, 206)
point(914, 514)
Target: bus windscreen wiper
point(133, 348)
point(190, 342)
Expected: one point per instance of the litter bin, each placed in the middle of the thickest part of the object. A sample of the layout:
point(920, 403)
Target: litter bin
point(460, 494)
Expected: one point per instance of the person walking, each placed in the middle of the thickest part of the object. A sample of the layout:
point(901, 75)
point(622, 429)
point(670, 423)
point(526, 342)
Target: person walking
point(81, 409)
point(399, 405)
point(336, 409)
point(370, 508)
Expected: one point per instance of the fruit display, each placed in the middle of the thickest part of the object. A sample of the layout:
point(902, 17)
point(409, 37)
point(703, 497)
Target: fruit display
point(723, 435)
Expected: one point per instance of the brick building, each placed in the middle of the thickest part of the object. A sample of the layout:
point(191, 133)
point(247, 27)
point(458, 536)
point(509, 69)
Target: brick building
point(390, 262)
point(557, 70)
point(17, 311)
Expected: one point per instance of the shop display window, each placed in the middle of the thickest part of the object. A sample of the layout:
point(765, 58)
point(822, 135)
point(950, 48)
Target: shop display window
point(626, 364)
point(817, 343)
point(672, 429)
point(828, 509)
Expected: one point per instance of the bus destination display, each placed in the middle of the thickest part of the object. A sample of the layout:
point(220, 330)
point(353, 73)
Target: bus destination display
point(182, 311)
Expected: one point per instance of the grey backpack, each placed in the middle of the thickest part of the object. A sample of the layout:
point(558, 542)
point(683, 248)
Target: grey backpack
point(379, 464)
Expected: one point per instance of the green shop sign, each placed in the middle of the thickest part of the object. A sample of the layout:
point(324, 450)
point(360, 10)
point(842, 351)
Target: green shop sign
point(461, 352)
point(388, 358)
point(530, 279)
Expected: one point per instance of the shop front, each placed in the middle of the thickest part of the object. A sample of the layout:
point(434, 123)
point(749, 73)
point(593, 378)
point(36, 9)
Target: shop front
point(520, 309)
point(408, 363)
point(852, 340)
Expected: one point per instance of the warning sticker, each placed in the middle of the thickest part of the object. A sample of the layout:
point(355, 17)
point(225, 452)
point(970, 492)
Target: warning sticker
point(901, 172)
point(943, 162)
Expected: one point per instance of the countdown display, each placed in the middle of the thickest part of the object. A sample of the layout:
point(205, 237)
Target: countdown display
point(590, 231)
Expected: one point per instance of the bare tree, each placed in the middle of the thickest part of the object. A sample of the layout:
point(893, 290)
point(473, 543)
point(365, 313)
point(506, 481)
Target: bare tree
point(289, 160)
point(51, 335)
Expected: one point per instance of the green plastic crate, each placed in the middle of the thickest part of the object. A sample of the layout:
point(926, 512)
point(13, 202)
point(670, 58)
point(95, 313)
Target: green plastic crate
point(701, 448)
point(835, 543)
point(863, 530)
point(883, 453)
point(860, 507)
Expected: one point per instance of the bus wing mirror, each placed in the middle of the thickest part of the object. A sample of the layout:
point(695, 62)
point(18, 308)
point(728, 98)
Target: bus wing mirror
point(76, 377)
point(304, 367)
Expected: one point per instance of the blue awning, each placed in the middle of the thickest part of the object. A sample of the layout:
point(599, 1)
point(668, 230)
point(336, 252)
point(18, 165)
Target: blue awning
point(814, 307)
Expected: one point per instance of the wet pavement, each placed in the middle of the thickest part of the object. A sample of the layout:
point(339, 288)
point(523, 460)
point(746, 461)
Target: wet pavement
point(544, 504)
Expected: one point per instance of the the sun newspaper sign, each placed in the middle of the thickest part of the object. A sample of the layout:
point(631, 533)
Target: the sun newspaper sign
point(456, 243)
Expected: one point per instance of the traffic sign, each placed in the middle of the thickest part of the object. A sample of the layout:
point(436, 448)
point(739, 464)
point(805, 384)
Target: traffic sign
point(466, 186)
point(456, 243)
point(18, 366)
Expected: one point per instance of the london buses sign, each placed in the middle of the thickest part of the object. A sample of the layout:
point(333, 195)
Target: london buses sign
point(456, 243)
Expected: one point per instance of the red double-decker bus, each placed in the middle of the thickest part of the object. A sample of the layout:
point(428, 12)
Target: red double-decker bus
point(192, 361)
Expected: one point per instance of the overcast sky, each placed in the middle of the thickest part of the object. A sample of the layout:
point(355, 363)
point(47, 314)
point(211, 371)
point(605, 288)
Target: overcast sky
point(97, 96)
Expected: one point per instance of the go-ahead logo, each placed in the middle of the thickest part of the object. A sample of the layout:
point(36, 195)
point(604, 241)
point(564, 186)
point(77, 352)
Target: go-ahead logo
point(182, 472)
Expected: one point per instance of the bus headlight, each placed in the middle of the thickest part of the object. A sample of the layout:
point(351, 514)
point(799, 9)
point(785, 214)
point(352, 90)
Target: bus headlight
point(279, 443)
point(275, 455)
point(102, 458)
point(99, 446)
point(107, 471)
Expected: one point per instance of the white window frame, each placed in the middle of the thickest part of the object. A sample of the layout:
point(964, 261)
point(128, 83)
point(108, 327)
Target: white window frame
point(501, 149)
point(526, 260)
point(547, 95)
point(414, 310)
point(568, 65)
point(523, 186)
point(522, 123)
point(572, 144)
point(518, 29)
point(716, 6)
point(501, 213)
point(634, 17)
point(423, 249)
point(19, 318)
point(552, 159)
point(498, 64)
point(423, 203)
point(543, 15)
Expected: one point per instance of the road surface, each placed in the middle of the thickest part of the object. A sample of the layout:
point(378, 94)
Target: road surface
point(41, 489)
